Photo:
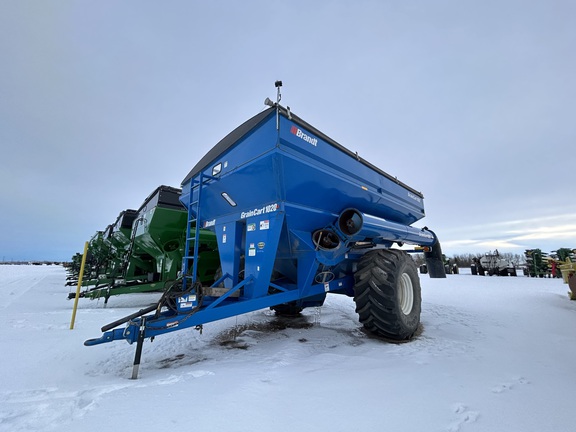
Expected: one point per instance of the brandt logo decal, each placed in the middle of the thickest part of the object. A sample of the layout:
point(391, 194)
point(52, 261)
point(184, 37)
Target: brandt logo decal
point(414, 197)
point(298, 132)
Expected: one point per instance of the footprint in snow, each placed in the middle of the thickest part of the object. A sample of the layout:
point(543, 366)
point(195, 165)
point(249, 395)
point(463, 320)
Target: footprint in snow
point(503, 387)
point(464, 416)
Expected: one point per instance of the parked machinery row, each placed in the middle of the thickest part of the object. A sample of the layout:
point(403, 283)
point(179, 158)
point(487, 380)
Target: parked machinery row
point(142, 250)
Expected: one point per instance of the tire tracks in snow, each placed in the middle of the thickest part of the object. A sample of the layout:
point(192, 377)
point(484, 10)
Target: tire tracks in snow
point(40, 408)
point(13, 292)
point(49, 409)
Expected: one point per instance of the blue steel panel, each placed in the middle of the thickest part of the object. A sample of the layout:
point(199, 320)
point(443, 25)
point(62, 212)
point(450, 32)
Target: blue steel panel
point(307, 172)
point(332, 177)
point(251, 147)
point(250, 186)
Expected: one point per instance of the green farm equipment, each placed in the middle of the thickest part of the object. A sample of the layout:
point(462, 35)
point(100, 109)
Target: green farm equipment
point(536, 263)
point(143, 250)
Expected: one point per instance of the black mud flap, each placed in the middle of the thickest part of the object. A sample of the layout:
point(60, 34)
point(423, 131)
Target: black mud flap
point(434, 261)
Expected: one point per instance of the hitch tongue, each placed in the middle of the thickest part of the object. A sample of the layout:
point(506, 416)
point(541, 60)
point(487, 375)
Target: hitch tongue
point(106, 337)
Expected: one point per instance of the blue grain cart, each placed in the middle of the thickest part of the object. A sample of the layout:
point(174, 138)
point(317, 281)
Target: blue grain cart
point(296, 216)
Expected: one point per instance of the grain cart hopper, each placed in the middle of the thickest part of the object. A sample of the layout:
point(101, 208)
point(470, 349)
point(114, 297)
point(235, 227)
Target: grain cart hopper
point(158, 238)
point(296, 216)
point(149, 245)
point(119, 237)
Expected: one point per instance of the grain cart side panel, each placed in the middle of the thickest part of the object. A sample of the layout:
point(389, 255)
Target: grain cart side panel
point(341, 178)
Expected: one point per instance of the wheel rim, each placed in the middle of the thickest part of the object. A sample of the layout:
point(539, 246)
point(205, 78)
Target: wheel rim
point(406, 293)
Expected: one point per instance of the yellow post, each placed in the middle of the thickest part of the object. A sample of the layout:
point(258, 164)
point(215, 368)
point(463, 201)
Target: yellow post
point(79, 285)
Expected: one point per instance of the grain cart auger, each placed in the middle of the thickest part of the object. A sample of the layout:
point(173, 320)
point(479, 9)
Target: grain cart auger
point(296, 216)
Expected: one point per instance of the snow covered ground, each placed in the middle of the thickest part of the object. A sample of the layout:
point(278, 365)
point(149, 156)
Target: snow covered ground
point(494, 354)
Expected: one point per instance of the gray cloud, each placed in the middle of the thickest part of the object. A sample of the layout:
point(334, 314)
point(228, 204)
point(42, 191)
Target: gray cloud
point(472, 103)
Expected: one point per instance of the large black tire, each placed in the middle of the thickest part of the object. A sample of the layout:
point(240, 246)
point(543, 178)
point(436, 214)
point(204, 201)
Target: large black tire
point(387, 294)
point(291, 309)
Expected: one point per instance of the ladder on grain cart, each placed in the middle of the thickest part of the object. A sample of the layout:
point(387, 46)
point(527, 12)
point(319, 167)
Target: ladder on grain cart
point(190, 259)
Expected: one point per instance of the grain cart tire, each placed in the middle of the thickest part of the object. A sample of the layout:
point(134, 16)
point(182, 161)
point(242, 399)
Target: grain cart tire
point(291, 309)
point(387, 294)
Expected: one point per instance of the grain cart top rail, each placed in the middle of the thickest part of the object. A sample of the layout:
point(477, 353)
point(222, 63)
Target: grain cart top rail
point(296, 216)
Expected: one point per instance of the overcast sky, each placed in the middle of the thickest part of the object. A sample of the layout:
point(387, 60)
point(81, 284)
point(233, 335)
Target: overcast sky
point(471, 102)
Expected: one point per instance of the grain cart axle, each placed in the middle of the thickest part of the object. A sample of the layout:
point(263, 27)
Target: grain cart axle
point(296, 216)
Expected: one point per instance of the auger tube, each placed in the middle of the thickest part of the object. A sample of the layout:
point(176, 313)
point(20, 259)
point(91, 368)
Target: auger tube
point(356, 225)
